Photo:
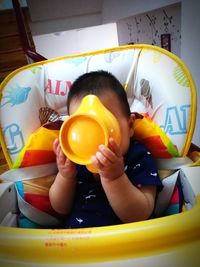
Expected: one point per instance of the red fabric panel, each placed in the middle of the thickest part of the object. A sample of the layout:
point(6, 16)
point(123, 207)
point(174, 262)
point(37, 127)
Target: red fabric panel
point(37, 157)
point(40, 202)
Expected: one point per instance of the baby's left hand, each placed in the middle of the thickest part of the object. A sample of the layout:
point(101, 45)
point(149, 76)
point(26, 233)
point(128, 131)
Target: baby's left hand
point(109, 161)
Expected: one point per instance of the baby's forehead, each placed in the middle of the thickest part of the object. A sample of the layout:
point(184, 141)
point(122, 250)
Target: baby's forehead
point(108, 95)
point(110, 98)
point(113, 103)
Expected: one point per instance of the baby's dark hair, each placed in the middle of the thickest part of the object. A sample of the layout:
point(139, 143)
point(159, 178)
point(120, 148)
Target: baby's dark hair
point(98, 83)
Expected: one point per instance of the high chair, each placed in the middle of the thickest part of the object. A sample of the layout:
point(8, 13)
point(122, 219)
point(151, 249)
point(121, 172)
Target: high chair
point(160, 87)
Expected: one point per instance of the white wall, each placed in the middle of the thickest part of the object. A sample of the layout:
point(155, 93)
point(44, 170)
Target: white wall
point(65, 24)
point(190, 49)
point(69, 41)
point(114, 10)
point(49, 16)
point(76, 41)
point(147, 28)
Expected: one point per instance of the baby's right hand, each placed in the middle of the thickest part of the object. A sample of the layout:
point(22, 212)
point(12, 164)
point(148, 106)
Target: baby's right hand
point(65, 166)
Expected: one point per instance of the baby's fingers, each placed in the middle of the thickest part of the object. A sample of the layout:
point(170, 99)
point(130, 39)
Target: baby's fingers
point(114, 147)
point(96, 162)
point(55, 145)
point(60, 156)
point(105, 155)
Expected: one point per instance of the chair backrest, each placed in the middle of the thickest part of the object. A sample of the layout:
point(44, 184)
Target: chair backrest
point(157, 83)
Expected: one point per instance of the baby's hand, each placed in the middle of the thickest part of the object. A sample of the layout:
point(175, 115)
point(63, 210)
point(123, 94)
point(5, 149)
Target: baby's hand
point(109, 161)
point(65, 166)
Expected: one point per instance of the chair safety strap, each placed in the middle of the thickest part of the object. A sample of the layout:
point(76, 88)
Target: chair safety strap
point(33, 214)
point(27, 173)
point(173, 163)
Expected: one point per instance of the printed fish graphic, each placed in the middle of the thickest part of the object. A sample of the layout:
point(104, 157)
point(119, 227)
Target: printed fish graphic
point(75, 61)
point(16, 95)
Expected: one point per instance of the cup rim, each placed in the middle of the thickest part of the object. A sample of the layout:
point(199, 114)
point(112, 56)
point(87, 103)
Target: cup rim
point(66, 123)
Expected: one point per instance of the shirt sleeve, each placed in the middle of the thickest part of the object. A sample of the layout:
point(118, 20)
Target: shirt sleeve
point(140, 166)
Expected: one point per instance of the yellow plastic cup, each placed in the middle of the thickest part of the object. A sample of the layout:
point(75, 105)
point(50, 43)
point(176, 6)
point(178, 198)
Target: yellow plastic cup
point(90, 126)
